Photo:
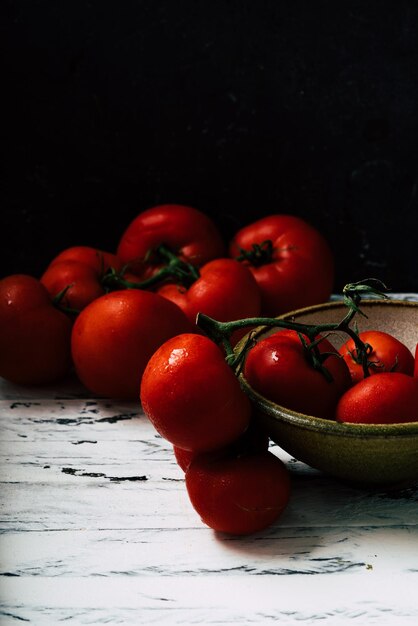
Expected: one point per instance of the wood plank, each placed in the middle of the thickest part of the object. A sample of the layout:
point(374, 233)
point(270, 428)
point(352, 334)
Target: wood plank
point(366, 598)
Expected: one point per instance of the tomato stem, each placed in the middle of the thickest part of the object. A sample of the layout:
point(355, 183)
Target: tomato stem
point(173, 268)
point(260, 253)
point(220, 332)
point(58, 298)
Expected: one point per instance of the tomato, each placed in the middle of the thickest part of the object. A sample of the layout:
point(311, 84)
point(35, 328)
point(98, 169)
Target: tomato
point(226, 291)
point(80, 269)
point(188, 232)
point(192, 397)
point(184, 457)
point(238, 494)
point(278, 368)
point(99, 260)
point(81, 280)
point(295, 269)
point(34, 334)
point(116, 334)
point(384, 354)
point(390, 398)
point(253, 440)
point(416, 361)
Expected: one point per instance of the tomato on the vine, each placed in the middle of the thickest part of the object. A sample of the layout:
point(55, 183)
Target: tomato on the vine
point(34, 334)
point(280, 368)
point(79, 271)
point(186, 231)
point(225, 290)
point(238, 495)
point(389, 398)
point(116, 334)
point(192, 396)
point(385, 353)
point(290, 259)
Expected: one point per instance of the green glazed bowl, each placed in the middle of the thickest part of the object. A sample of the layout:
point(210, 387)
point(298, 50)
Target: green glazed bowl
point(363, 454)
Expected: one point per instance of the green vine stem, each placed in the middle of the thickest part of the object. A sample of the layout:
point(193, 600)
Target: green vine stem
point(173, 268)
point(57, 301)
point(220, 332)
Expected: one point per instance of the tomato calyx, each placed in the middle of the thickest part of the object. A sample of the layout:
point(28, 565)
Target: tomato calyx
point(220, 332)
point(370, 364)
point(315, 357)
point(172, 268)
point(260, 253)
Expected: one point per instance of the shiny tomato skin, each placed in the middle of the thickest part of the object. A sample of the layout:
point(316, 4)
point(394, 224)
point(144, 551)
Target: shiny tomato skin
point(187, 231)
point(301, 270)
point(192, 397)
point(116, 334)
point(226, 291)
point(238, 495)
point(387, 354)
point(389, 398)
point(34, 335)
point(278, 368)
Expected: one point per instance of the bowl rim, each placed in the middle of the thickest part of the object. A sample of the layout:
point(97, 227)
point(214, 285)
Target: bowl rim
point(318, 424)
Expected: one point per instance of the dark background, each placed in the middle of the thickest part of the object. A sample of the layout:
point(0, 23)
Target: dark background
point(239, 108)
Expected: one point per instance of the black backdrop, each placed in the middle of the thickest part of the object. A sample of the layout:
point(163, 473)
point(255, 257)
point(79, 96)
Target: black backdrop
point(240, 108)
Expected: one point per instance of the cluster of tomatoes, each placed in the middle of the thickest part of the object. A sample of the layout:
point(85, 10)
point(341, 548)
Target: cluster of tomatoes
point(105, 313)
point(233, 481)
point(343, 385)
point(125, 323)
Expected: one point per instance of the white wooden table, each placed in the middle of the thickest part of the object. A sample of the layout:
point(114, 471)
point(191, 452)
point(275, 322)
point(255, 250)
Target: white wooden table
point(97, 528)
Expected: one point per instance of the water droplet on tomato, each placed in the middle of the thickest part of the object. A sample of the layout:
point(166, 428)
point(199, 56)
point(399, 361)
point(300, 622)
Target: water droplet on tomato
point(176, 355)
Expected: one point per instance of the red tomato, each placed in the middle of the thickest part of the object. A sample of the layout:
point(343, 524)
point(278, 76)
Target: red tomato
point(192, 397)
point(238, 495)
point(116, 334)
point(416, 361)
point(389, 398)
point(82, 281)
point(226, 291)
point(278, 368)
point(34, 335)
point(184, 457)
point(386, 354)
point(253, 440)
point(81, 269)
point(99, 260)
point(186, 231)
point(298, 271)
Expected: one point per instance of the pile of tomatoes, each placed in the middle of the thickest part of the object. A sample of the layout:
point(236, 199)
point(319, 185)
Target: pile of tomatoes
point(125, 323)
point(105, 313)
point(282, 368)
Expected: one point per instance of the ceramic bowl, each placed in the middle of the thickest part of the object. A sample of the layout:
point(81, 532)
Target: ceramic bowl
point(363, 454)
